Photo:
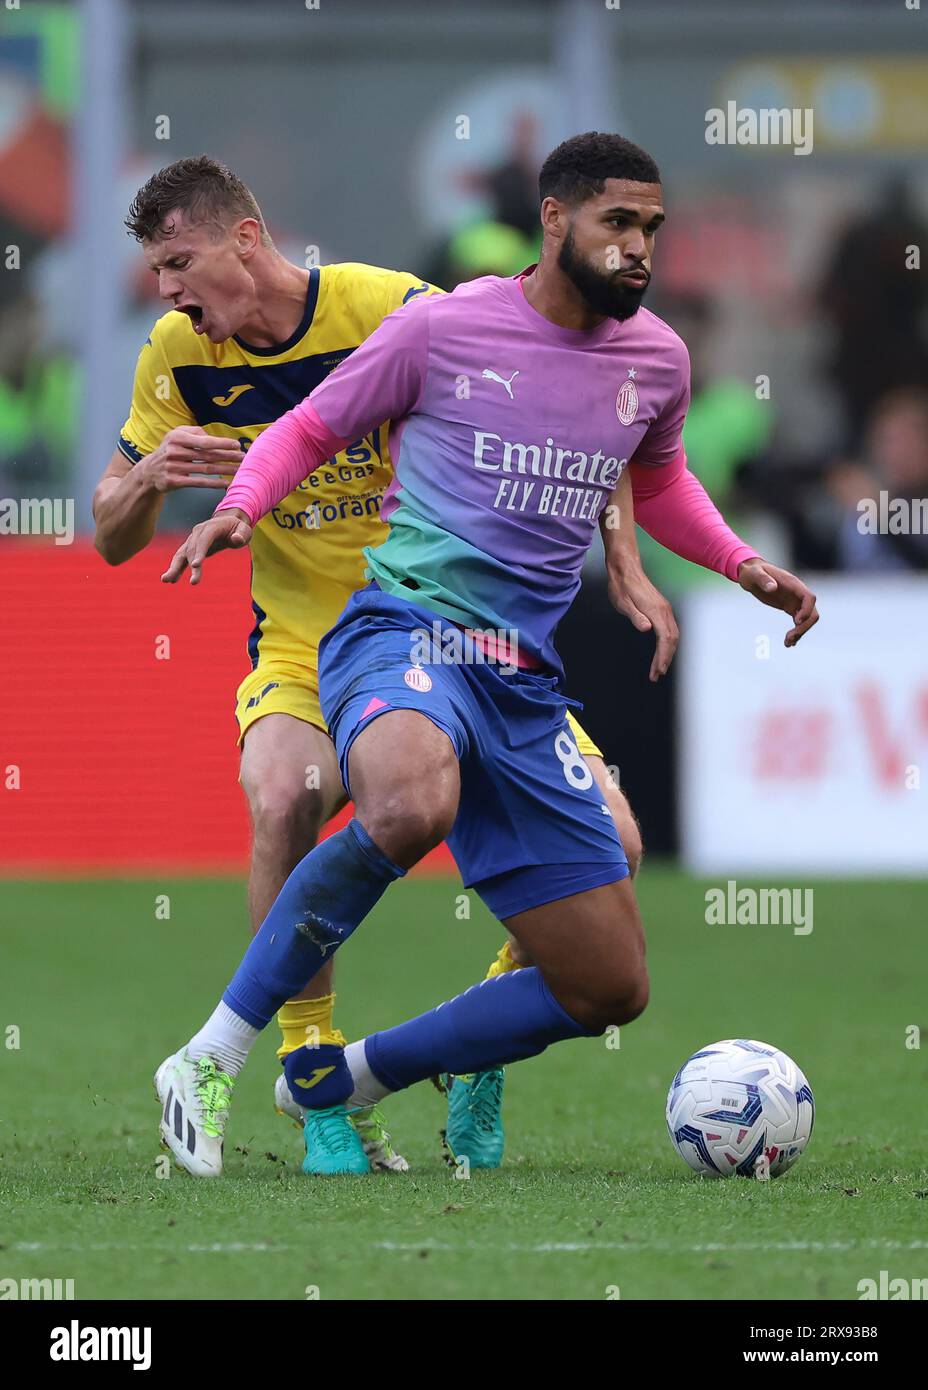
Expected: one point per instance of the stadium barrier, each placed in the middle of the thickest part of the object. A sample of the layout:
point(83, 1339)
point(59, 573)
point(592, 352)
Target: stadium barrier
point(814, 759)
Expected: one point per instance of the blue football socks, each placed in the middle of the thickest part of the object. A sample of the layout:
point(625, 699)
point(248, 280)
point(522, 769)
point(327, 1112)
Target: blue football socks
point(329, 893)
point(500, 1020)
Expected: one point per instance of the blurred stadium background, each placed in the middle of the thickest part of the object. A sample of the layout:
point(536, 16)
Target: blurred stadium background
point(794, 280)
point(409, 136)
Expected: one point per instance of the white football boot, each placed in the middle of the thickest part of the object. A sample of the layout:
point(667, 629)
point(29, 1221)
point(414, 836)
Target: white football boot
point(367, 1121)
point(195, 1097)
point(284, 1103)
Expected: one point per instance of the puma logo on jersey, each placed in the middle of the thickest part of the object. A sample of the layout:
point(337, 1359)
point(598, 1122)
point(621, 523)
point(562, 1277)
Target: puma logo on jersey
point(314, 1080)
point(492, 376)
point(233, 395)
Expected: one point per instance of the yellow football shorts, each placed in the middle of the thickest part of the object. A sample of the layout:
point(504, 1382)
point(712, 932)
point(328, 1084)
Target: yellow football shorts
point(290, 687)
point(279, 687)
point(585, 744)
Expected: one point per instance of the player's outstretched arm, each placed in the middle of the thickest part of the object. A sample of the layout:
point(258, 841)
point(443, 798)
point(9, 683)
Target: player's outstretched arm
point(630, 590)
point(227, 530)
point(128, 499)
point(779, 589)
point(673, 506)
point(286, 453)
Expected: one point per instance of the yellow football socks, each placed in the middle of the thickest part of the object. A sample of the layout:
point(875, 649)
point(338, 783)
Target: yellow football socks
point(503, 963)
point(308, 1022)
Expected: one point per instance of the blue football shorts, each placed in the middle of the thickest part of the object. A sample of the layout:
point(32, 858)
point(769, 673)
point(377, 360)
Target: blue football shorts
point(532, 825)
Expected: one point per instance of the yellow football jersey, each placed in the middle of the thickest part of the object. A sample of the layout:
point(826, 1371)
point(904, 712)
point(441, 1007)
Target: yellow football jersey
point(307, 553)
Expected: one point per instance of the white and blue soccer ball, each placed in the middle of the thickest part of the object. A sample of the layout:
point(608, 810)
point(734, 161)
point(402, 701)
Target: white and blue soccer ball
point(740, 1106)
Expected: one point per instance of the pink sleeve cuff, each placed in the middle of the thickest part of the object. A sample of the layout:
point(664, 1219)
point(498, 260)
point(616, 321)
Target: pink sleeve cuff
point(673, 506)
point(278, 461)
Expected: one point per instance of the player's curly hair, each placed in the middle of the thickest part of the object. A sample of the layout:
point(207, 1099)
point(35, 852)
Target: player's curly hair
point(579, 167)
point(200, 186)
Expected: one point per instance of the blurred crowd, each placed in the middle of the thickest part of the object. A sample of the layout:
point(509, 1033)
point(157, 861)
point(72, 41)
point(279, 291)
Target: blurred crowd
point(809, 511)
point(820, 511)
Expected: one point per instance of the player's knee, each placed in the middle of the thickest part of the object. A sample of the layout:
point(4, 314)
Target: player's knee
point(405, 826)
point(633, 1000)
point(287, 816)
point(612, 1001)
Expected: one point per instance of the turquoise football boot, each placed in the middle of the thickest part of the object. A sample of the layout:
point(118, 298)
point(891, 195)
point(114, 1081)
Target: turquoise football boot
point(475, 1118)
point(333, 1145)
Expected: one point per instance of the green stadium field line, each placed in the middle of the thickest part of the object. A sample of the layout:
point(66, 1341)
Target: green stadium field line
point(667, 1247)
point(546, 1248)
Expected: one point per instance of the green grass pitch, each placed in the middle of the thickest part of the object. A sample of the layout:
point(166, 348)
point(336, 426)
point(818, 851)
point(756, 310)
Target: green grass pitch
point(591, 1196)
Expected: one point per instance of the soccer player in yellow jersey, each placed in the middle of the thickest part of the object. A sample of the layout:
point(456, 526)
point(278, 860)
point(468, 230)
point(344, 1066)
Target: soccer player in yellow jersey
point(247, 336)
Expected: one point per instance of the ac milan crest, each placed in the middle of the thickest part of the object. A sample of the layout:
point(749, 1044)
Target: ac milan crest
point(418, 679)
point(626, 402)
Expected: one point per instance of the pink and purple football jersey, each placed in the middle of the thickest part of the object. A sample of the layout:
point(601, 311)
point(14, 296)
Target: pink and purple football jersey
point(509, 435)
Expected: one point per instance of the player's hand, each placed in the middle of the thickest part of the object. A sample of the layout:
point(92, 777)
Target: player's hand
point(189, 457)
point(228, 531)
point(632, 593)
point(780, 589)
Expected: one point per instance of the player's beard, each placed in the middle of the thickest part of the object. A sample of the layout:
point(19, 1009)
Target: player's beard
point(605, 294)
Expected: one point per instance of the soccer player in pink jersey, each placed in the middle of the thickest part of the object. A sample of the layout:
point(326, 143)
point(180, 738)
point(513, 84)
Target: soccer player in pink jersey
point(526, 413)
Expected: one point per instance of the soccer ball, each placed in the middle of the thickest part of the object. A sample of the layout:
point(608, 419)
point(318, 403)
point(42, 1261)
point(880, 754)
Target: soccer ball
point(740, 1107)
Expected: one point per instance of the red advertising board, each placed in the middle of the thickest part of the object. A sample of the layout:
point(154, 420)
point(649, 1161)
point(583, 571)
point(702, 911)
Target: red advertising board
point(117, 731)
